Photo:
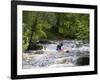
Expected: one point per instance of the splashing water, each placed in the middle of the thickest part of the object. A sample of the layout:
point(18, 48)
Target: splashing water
point(50, 57)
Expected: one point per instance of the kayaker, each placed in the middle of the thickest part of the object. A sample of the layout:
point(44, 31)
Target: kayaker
point(59, 46)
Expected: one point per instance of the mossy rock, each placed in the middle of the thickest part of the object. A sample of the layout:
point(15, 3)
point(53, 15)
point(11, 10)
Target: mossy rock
point(44, 42)
point(35, 47)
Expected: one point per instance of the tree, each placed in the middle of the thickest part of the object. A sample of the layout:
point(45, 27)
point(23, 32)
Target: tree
point(51, 25)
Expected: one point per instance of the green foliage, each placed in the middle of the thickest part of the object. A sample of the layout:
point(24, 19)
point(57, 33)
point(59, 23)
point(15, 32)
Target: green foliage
point(50, 25)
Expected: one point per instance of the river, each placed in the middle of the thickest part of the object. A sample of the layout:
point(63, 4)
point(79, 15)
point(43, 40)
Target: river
point(49, 57)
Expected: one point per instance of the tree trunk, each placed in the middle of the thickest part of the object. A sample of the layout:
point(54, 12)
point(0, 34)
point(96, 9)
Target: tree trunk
point(32, 31)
